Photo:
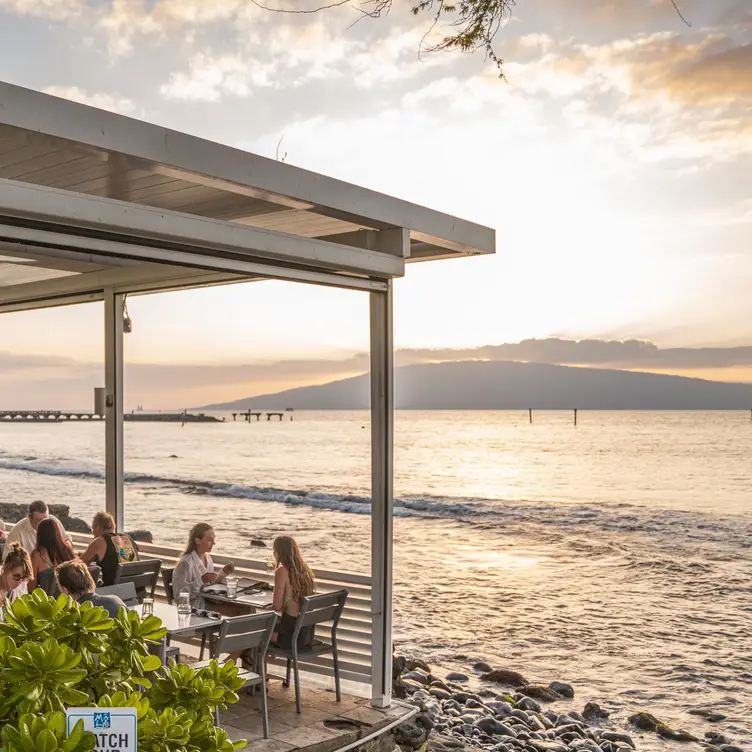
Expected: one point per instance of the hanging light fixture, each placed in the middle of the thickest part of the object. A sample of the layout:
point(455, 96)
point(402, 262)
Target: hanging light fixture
point(127, 323)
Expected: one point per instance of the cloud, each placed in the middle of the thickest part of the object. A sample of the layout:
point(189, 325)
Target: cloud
point(57, 10)
point(121, 105)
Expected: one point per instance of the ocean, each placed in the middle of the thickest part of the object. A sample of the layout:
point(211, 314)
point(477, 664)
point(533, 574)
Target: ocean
point(615, 555)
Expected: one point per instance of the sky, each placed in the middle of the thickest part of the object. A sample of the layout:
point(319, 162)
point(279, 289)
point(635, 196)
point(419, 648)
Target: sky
point(614, 164)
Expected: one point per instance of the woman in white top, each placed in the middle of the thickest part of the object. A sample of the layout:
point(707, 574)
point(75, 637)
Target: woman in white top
point(196, 568)
point(15, 572)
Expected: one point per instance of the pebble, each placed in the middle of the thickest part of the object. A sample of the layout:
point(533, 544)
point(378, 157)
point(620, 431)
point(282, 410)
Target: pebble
point(715, 738)
point(457, 677)
point(453, 719)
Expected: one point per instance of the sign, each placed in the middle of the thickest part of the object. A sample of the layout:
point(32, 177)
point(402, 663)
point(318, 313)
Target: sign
point(115, 728)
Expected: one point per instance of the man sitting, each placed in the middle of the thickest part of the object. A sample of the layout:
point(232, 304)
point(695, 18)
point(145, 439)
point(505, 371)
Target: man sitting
point(74, 579)
point(25, 531)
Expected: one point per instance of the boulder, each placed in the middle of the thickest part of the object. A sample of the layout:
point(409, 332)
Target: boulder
point(565, 690)
point(643, 721)
point(411, 734)
point(503, 676)
point(482, 667)
point(457, 677)
point(492, 727)
point(538, 692)
point(594, 712)
point(411, 664)
point(612, 736)
point(141, 536)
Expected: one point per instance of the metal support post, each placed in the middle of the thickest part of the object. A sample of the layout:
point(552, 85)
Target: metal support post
point(382, 493)
point(113, 360)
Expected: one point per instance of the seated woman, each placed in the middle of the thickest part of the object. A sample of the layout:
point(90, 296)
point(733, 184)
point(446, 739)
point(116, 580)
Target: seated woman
point(109, 548)
point(52, 549)
point(196, 568)
point(293, 581)
point(15, 572)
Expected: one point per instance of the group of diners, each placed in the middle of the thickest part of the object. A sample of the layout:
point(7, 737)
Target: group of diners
point(38, 553)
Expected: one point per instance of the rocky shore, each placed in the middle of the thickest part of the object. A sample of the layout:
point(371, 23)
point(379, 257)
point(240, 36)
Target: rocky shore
point(507, 714)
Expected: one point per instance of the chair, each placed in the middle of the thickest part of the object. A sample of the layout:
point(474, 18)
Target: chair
point(143, 574)
point(167, 573)
point(126, 591)
point(314, 610)
point(96, 574)
point(171, 652)
point(239, 634)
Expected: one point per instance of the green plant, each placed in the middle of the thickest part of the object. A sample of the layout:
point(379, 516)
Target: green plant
point(46, 733)
point(55, 653)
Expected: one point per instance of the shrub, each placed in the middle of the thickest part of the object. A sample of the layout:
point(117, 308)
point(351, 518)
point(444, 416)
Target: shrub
point(55, 653)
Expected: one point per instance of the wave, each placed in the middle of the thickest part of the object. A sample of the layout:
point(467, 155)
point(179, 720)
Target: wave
point(488, 513)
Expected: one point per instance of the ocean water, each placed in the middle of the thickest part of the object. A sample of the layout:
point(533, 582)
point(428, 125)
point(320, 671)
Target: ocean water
point(616, 555)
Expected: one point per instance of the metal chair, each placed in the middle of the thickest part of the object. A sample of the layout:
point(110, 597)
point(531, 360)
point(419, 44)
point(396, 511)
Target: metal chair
point(314, 610)
point(167, 574)
point(143, 574)
point(171, 652)
point(96, 574)
point(126, 591)
point(240, 634)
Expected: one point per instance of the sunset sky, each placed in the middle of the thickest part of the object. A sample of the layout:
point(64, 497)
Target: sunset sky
point(614, 164)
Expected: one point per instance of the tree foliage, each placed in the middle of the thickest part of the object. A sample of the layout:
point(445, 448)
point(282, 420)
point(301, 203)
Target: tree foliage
point(465, 25)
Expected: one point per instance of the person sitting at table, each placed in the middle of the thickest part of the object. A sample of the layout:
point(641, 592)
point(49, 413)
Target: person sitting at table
point(109, 548)
point(15, 572)
point(293, 581)
point(25, 531)
point(74, 579)
point(195, 569)
point(51, 549)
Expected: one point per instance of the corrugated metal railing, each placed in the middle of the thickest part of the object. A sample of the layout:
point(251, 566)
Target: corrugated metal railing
point(354, 633)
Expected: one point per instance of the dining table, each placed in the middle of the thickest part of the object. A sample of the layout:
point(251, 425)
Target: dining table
point(248, 596)
point(177, 624)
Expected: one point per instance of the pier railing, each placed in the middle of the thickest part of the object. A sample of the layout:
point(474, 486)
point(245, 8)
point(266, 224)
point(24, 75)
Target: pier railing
point(353, 635)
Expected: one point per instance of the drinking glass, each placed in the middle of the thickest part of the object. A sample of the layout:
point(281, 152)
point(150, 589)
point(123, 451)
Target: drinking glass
point(184, 603)
point(232, 587)
point(147, 607)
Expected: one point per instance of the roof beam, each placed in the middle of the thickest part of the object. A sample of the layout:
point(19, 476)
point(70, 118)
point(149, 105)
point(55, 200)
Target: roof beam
point(149, 226)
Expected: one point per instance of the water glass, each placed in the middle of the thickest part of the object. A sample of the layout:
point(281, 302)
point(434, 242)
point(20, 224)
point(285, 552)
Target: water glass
point(232, 587)
point(147, 607)
point(184, 603)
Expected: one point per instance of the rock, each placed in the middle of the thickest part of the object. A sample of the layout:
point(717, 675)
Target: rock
point(457, 677)
point(709, 715)
point(565, 690)
point(411, 734)
point(730, 748)
point(411, 687)
point(440, 694)
point(537, 692)
point(594, 712)
point(486, 692)
point(528, 703)
point(463, 697)
point(140, 536)
point(715, 738)
point(643, 721)
point(256, 543)
point(440, 685)
point(445, 743)
point(399, 665)
point(492, 727)
point(612, 736)
point(482, 667)
point(508, 678)
point(413, 664)
point(425, 720)
point(417, 676)
point(500, 708)
point(677, 736)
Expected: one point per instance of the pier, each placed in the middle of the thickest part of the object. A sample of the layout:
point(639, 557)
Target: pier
point(248, 415)
point(65, 416)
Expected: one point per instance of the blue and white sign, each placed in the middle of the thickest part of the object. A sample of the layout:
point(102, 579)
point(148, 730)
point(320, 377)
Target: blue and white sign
point(115, 728)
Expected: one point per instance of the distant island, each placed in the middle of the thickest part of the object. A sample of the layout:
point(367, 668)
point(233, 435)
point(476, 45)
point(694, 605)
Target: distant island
point(504, 385)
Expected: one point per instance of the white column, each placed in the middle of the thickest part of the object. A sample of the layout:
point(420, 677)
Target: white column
point(382, 492)
point(113, 366)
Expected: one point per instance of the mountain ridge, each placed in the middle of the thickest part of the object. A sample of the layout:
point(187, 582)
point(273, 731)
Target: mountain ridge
point(512, 385)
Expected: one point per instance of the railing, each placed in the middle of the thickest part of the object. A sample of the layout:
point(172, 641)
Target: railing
point(353, 635)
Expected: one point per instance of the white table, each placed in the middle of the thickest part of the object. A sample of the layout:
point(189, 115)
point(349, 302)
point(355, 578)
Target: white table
point(254, 600)
point(177, 625)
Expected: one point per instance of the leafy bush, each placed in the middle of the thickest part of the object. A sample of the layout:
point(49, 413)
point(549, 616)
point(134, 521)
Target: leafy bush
point(55, 653)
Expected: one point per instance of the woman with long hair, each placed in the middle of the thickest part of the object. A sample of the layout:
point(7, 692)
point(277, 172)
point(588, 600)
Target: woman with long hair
point(51, 550)
point(195, 569)
point(293, 581)
point(15, 572)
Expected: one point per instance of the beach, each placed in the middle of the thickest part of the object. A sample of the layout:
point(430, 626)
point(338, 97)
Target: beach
point(615, 556)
